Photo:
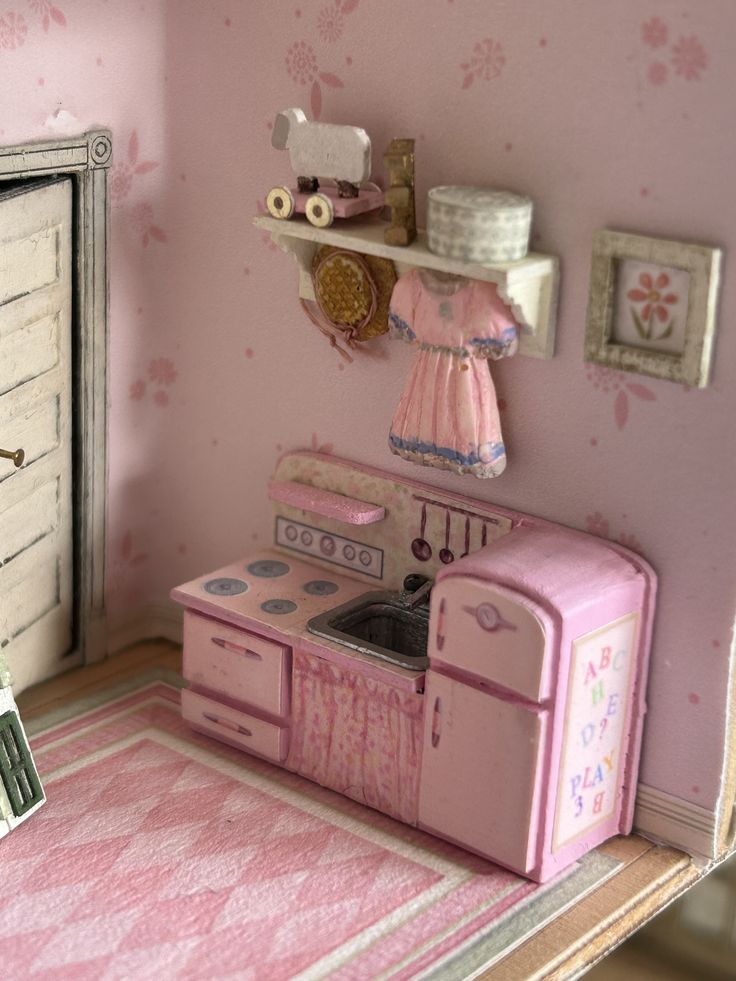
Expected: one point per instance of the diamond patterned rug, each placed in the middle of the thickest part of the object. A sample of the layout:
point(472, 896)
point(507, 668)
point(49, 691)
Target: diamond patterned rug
point(163, 854)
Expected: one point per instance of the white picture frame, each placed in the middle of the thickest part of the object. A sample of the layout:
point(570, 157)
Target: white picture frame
point(652, 306)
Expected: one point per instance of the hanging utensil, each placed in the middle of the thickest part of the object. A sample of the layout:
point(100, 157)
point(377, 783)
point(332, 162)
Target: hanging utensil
point(446, 554)
point(420, 548)
point(467, 538)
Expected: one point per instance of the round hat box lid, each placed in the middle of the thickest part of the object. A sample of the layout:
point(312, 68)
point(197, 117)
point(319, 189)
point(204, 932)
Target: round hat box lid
point(479, 198)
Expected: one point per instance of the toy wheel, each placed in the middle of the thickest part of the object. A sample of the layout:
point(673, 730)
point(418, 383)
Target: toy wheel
point(280, 202)
point(319, 210)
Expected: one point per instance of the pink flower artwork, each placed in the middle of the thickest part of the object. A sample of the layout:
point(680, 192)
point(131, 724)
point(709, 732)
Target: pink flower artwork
point(162, 371)
point(48, 12)
point(266, 237)
point(608, 380)
point(121, 174)
point(161, 398)
point(689, 58)
point(596, 524)
point(301, 66)
point(137, 390)
point(301, 62)
point(650, 303)
point(654, 33)
point(129, 555)
point(657, 73)
point(318, 447)
point(630, 541)
point(141, 218)
point(13, 30)
point(486, 62)
point(330, 22)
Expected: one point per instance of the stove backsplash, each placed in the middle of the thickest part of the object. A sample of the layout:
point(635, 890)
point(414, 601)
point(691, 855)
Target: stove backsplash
point(423, 530)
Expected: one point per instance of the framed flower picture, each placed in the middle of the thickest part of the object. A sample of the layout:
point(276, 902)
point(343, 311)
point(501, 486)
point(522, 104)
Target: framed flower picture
point(652, 306)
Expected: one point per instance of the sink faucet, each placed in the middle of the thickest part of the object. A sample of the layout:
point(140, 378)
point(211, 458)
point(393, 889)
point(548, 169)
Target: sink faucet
point(416, 591)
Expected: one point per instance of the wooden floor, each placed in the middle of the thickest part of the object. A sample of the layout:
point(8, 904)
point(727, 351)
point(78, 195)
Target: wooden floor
point(635, 961)
point(650, 876)
point(81, 682)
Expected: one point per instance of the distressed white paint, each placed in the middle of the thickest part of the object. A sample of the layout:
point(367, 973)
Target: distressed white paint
point(85, 159)
point(36, 546)
point(702, 265)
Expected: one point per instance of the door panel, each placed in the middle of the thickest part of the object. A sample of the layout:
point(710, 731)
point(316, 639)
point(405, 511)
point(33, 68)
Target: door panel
point(30, 350)
point(495, 633)
point(36, 547)
point(28, 521)
point(482, 771)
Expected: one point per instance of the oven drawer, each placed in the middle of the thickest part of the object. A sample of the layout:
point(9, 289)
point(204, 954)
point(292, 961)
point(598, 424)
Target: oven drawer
point(236, 663)
point(235, 728)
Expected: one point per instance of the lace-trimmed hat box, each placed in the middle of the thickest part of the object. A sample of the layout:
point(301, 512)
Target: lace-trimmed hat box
point(478, 224)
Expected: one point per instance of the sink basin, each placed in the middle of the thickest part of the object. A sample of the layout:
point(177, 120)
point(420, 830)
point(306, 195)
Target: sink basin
point(379, 624)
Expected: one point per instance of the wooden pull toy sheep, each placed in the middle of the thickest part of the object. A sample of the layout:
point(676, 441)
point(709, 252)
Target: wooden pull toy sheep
point(321, 152)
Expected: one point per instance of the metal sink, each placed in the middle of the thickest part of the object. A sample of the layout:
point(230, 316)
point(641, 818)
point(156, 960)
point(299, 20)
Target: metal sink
point(383, 624)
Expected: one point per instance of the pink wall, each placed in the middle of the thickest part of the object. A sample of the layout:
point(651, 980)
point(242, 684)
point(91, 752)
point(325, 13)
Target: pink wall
point(594, 109)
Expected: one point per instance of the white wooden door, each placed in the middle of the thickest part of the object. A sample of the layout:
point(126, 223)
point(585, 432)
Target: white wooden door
point(36, 548)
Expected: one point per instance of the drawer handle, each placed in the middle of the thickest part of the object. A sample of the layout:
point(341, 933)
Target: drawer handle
point(236, 648)
point(436, 722)
point(227, 724)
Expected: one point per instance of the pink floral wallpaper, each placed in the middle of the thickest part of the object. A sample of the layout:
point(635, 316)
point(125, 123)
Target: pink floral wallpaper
point(618, 116)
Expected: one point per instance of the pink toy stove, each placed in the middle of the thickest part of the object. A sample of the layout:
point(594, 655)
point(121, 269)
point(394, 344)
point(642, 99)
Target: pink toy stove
point(520, 739)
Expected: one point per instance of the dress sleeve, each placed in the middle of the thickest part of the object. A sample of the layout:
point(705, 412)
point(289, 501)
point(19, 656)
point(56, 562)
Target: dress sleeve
point(402, 307)
point(495, 329)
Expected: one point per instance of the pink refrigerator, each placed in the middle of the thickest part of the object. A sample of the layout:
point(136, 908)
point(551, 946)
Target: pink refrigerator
point(535, 697)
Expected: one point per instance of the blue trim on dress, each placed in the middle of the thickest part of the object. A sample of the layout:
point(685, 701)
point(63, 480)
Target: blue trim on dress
point(400, 326)
point(497, 450)
point(508, 336)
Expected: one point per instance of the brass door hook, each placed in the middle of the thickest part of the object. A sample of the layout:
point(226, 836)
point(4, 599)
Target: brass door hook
point(17, 456)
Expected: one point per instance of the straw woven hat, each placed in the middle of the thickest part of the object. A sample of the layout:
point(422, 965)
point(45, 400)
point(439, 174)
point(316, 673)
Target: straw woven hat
point(353, 290)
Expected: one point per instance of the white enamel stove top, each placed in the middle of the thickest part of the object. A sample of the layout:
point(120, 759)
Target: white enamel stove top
point(270, 588)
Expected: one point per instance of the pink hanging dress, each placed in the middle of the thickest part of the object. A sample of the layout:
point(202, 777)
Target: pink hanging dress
point(447, 416)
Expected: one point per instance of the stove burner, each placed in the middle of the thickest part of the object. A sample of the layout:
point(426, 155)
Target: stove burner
point(225, 587)
point(320, 587)
point(268, 568)
point(278, 606)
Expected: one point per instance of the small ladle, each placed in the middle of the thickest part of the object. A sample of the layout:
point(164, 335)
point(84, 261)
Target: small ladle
point(420, 548)
point(446, 554)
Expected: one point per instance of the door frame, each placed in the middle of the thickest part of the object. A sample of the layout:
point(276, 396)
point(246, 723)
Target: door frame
point(86, 160)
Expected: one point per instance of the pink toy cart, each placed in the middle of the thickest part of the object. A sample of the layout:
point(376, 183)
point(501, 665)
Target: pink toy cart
point(323, 206)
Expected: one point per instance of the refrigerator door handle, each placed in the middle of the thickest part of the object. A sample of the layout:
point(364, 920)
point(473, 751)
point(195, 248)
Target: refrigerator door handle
point(436, 722)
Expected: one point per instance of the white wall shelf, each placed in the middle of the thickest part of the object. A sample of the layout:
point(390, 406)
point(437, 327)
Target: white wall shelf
point(529, 285)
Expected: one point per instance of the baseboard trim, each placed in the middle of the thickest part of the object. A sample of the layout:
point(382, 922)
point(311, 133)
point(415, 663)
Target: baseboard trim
point(673, 821)
point(154, 621)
